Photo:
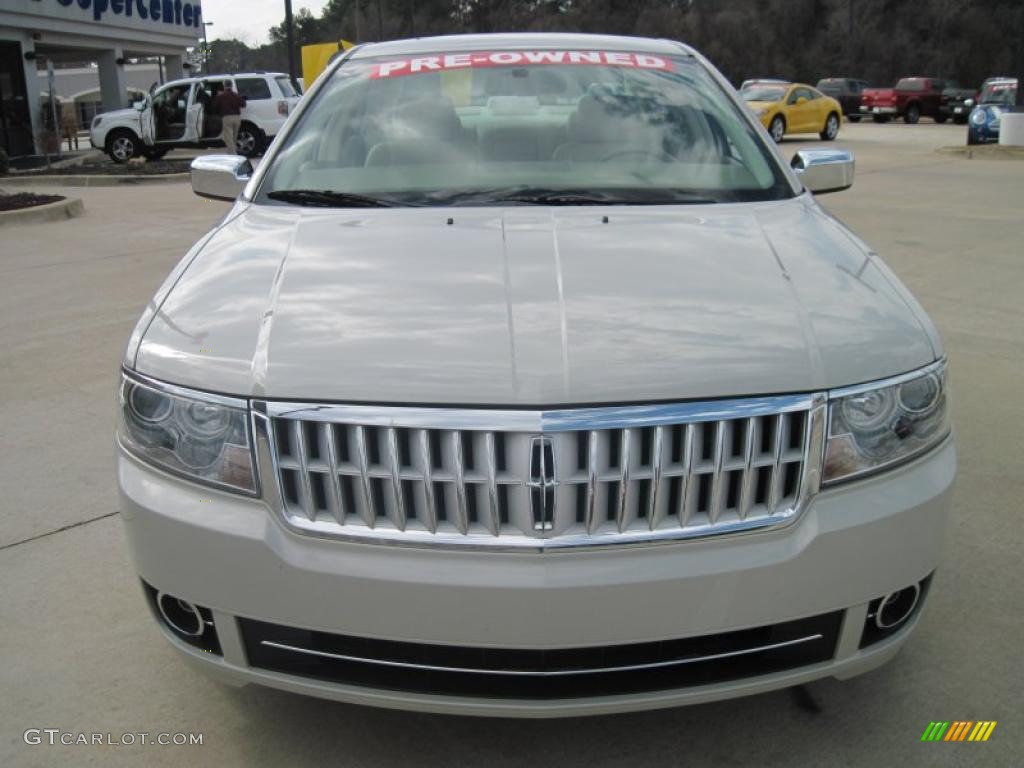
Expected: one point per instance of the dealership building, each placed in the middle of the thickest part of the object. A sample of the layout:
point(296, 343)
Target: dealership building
point(106, 33)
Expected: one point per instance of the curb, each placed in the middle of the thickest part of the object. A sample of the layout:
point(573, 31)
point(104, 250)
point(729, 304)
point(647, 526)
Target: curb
point(984, 152)
point(88, 180)
point(58, 211)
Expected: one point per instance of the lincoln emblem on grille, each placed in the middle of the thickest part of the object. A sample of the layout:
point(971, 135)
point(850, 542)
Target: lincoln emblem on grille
point(542, 483)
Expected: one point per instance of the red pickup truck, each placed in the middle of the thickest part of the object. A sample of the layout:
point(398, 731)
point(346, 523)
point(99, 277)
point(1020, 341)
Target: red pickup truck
point(911, 99)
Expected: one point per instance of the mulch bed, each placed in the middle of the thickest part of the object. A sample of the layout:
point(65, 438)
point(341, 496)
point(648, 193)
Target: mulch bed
point(109, 168)
point(26, 200)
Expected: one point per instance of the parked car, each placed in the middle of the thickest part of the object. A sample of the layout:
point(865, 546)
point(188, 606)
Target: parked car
point(790, 108)
point(177, 114)
point(762, 81)
point(998, 95)
point(568, 402)
point(847, 91)
point(911, 99)
point(956, 102)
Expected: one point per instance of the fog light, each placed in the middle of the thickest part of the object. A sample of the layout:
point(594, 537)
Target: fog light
point(896, 607)
point(890, 613)
point(180, 615)
point(190, 623)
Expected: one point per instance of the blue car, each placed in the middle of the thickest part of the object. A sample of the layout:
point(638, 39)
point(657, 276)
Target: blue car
point(998, 95)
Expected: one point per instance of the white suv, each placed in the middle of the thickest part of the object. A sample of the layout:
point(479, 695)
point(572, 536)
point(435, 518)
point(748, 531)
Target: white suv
point(177, 114)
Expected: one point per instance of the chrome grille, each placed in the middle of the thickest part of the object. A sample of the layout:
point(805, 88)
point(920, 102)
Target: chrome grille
point(541, 479)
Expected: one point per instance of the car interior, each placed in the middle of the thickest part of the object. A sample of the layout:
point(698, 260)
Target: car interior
point(170, 109)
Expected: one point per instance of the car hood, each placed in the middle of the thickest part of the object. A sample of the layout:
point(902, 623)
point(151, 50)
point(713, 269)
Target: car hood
point(531, 306)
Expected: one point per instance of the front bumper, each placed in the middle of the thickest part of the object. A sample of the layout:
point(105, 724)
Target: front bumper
point(852, 545)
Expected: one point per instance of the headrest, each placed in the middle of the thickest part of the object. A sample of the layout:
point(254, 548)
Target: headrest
point(605, 113)
point(513, 105)
point(433, 118)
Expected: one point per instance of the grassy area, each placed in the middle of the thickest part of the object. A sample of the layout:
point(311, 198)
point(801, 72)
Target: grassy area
point(110, 168)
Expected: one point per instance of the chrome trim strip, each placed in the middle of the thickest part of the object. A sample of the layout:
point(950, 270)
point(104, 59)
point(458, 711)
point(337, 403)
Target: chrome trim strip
point(686, 508)
point(775, 489)
point(653, 519)
point(718, 476)
point(298, 430)
point(747, 485)
point(195, 394)
point(396, 478)
point(337, 497)
point(572, 420)
point(459, 470)
point(428, 481)
point(494, 517)
point(593, 446)
point(855, 389)
point(552, 673)
point(626, 438)
point(370, 512)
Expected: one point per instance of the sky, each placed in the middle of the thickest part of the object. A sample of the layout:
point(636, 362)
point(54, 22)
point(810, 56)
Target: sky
point(250, 20)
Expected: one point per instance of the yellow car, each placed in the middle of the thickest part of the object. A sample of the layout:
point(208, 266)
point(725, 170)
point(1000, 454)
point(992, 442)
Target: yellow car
point(785, 108)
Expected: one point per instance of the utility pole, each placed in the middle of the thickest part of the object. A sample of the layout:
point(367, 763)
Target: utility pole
point(359, 35)
point(53, 110)
point(1020, 60)
point(289, 40)
point(207, 51)
point(849, 38)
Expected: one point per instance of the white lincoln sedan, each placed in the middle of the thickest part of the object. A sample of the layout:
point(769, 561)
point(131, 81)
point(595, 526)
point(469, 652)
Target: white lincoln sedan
point(526, 378)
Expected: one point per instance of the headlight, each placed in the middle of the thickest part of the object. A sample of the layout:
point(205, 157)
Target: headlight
point(979, 117)
point(97, 120)
point(761, 112)
point(203, 437)
point(873, 427)
point(968, 102)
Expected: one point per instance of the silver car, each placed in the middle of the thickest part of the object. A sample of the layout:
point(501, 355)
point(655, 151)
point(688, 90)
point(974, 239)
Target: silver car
point(526, 378)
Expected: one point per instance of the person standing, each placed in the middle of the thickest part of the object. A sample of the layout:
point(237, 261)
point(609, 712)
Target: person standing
point(228, 105)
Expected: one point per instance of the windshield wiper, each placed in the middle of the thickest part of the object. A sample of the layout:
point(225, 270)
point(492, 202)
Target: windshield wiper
point(573, 197)
point(326, 198)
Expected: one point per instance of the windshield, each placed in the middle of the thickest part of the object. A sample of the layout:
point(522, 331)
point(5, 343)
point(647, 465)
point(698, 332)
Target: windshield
point(551, 127)
point(999, 93)
point(764, 93)
point(285, 84)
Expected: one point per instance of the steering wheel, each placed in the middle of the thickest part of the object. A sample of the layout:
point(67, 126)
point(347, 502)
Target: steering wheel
point(661, 157)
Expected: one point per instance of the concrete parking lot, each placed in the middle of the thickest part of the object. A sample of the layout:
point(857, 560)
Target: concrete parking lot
point(80, 652)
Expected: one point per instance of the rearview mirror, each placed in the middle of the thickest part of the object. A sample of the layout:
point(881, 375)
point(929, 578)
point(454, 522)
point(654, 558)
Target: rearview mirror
point(221, 177)
point(824, 170)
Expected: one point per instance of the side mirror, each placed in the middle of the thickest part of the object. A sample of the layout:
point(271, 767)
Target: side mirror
point(140, 105)
point(801, 100)
point(824, 170)
point(221, 177)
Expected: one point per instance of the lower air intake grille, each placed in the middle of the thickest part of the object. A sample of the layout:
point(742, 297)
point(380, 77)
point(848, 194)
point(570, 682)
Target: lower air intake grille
point(540, 674)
